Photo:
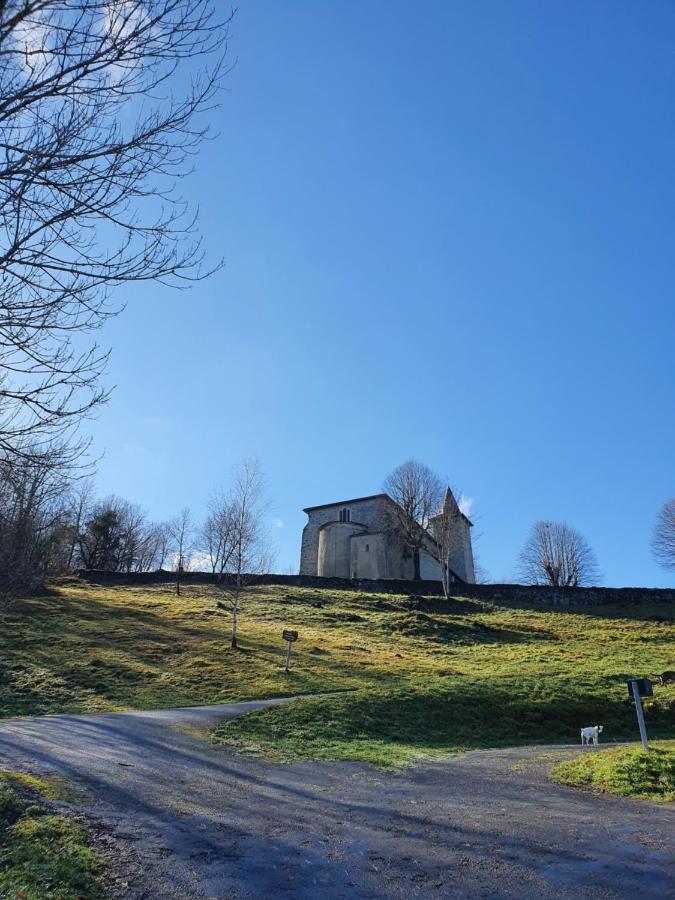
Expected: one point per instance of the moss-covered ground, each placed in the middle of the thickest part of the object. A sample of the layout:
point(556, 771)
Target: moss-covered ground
point(411, 676)
point(43, 856)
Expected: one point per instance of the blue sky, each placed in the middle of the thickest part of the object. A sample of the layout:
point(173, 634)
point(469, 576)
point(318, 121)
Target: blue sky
point(448, 234)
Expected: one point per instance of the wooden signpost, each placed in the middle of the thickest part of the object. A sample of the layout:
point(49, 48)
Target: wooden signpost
point(639, 688)
point(291, 637)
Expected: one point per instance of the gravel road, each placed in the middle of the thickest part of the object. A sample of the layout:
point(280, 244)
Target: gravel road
point(181, 818)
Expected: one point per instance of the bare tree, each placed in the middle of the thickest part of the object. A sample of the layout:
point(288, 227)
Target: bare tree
point(481, 574)
point(556, 554)
point(155, 547)
point(145, 554)
point(418, 493)
point(112, 534)
point(33, 522)
point(447, 527)
point(663, 536)
point(181, 530)
point(219, 532)
point(250, 554)
point(79, 508)
point(135, 536)
point(100, 104)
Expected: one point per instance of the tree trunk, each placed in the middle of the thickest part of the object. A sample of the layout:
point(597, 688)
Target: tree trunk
point(416, 560)
point(235, 610)
point(445, 580)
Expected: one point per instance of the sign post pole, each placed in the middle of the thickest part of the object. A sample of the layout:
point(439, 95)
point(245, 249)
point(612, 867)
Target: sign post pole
point(289, 636)
point(635, 687)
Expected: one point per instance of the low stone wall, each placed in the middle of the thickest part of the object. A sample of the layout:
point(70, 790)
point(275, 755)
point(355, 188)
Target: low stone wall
point(538, 595)
point(553, 596)
point(392, 586)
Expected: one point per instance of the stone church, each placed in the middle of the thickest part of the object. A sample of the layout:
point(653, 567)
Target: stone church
point(363, 538)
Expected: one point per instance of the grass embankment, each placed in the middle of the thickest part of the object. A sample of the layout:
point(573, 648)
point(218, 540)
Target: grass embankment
point(415, 676)
point(42, 856)
point(630, 771)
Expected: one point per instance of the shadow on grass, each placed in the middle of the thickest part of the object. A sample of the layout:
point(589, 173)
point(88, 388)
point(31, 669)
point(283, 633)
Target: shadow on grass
point(62, 652)
point(70, 650)
point(440, 629)
point(460, 716)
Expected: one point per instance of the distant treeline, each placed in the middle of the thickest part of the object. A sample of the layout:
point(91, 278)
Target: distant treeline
point(52, 522)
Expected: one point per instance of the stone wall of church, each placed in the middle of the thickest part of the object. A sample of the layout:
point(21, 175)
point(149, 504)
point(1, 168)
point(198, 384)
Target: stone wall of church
point(462, 557)
point(430, 570)
point(373, 513)
point(335, 549)
point(369, 557)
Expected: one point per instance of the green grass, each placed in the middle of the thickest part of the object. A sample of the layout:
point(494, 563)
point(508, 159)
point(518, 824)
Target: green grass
point(42, 856)
point(624, 770)
point(442, 716)
point(49, 788)
point(411, 677)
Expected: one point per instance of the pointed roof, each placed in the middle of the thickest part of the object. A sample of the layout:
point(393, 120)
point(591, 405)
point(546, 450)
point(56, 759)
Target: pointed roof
point(450, 507)
point(449, 502)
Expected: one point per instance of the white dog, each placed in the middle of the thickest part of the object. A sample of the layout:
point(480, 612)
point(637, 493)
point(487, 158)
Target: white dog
point(591, 734)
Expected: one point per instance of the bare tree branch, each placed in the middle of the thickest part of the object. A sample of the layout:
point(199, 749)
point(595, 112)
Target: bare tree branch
point(451, 547)
point(181, 531)
point(247, 547)
point(100, 117)
point(418, 493)
point(34, 534)
point(558, 555)
point(663, 535)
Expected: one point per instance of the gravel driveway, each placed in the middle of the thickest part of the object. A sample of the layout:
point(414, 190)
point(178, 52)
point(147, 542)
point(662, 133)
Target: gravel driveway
point(182, 818)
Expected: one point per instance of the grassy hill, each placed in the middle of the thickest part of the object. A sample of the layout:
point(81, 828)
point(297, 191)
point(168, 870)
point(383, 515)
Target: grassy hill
point(412, 676)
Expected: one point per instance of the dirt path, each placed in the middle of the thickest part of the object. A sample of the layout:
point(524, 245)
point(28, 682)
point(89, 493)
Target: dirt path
point(185, 819)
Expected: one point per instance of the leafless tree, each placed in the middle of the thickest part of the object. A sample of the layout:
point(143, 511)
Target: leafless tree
point(481, 574)
point(446, 527)
point(418, 493)
point(452, 547)
point(162, 534)
point(135, 538)
point(152, 548)
point(663, 536)
point(111, 534)
point(100, 104)
point(33, 522)
point(145, 553)
point(181, 543)
point(219, 532)
point(79, 507)
point(250, 544)
point(556, 554)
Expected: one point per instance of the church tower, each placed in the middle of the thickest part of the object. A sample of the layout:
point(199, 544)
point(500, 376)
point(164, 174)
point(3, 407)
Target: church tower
point(452, 529)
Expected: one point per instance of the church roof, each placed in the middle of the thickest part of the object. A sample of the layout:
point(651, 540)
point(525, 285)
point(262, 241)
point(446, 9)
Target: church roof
point(449, 502)
point(451, 507)
point(344, 502)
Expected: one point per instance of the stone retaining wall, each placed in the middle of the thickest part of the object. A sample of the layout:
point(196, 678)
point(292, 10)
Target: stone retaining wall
point(541, 595)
